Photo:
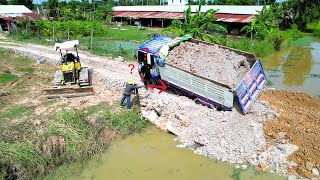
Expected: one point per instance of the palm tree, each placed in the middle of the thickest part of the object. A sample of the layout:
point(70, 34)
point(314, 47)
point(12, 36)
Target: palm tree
point(197, 25)
point(263, 23)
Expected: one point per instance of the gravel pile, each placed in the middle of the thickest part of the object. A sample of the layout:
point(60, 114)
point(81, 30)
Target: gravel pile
point(211, 62)
point(227, 136)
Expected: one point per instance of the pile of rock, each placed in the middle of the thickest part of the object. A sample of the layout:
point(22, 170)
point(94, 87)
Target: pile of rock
point(211, 62)
point(228, 136)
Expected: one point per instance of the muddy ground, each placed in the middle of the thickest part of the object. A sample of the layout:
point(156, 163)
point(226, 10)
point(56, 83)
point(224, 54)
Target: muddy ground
point(212, 62)
point(298, 123)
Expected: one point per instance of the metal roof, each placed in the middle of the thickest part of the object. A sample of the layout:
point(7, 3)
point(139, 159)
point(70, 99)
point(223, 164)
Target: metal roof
point(225, 9)
point(18, 17)
point(155, 44)
point(145, 14)
point(240, 18)
point(14, 9)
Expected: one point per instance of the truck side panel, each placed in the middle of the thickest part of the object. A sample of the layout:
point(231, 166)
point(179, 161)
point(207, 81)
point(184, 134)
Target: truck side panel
point(198, 86)
point(250, 86)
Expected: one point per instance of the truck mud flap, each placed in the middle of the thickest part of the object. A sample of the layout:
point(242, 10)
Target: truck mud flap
point(250, 86)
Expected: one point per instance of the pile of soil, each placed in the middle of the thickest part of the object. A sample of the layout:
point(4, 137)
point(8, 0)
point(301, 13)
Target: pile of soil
point(299, 121)
point(212, 62)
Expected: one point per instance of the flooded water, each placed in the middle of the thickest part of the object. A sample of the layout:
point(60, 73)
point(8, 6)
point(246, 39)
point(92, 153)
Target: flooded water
point(295, 69)
point(153, 154)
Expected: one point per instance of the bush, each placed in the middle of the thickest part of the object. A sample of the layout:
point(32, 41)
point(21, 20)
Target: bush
point(257, 47)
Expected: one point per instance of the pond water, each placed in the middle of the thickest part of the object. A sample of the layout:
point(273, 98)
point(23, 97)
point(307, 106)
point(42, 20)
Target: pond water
point(152, 154)
point(295, 69)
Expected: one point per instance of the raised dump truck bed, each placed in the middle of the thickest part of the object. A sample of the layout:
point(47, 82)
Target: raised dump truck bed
point(194, 80)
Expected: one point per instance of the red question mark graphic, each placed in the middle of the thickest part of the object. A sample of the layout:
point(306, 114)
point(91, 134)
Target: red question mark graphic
point(145, 54)
point(131, 68)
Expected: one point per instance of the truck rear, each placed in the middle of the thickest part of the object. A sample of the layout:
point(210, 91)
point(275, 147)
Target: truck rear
point(212, 83)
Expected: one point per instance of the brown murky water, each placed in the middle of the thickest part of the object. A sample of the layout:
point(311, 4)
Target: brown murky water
point(295, 69)
point(153, 154)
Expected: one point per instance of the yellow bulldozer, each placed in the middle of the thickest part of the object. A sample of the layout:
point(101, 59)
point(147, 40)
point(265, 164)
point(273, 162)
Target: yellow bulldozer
point(71, 80)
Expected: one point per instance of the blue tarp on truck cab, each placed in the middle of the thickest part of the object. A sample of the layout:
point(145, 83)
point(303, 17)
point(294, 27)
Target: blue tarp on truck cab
point(155, 44)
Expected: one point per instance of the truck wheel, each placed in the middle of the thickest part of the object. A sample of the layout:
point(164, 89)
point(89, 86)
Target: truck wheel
point(210, 106)
point(197, 101)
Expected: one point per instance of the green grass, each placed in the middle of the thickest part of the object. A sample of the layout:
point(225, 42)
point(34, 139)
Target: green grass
point(314, 28)
point(236, 174)
point(269, 83)
point(318, 96)
point(48, 102)
point(23, 156)
point(7, 78)
point(26, 70)
point(259, 48)
point(16, 112)
point(82, 138)
point(304, 41)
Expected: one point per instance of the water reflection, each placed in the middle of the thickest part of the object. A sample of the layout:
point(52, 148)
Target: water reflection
point(295, 69)
point(297, 66)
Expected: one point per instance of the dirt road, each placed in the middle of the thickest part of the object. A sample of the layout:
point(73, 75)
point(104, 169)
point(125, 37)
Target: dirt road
point(116, 72)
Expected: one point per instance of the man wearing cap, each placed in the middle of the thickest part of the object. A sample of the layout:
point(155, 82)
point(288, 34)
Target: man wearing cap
point(130, 86)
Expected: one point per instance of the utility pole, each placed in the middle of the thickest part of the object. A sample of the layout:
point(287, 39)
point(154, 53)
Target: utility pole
point(91, 31)
point(51, 19)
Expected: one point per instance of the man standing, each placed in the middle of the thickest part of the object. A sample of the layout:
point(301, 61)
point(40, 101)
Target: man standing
point(130, 87)
point(145, 70)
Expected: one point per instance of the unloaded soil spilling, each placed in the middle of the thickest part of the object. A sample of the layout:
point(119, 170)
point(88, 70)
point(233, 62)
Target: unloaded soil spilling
point(210, 61)
point(299, 122)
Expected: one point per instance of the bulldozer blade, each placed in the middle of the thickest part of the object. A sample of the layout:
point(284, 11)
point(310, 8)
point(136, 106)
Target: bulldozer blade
point(68, 92)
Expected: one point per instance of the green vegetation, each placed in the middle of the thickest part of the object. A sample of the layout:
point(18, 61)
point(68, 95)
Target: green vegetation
point(77, 140)
point(16, 112)
point(314, 28)
point(7, 78)
point(318, 96)
point(197, 25)
point(26, 70)
point(314, 75)
point(269, 83)
point(236, 174)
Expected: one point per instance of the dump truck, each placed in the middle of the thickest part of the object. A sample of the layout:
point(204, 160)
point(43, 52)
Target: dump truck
point(207, 89)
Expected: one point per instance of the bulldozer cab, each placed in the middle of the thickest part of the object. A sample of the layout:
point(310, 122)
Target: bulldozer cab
point(67, 46)
point(69, 57)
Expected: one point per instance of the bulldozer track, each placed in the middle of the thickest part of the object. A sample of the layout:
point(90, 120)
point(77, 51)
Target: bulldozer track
point(68, 92)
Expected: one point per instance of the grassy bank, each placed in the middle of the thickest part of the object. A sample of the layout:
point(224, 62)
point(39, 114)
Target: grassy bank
point(314, 28)
point(38, 135)
point(273, 42)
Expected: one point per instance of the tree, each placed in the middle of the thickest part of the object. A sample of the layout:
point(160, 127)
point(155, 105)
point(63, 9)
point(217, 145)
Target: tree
point(303, 11)
point(27, 3)
point(197, 25)
point(264, 23)
point(53, 8)
point(3, 2)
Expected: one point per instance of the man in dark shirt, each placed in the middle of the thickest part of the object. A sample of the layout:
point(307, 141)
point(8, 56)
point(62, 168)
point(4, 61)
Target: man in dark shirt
point(129, 89)
point(145, 70)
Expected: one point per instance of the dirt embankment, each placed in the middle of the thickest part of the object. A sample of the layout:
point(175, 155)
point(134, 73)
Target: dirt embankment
point(212, 62)
point(299, 123)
